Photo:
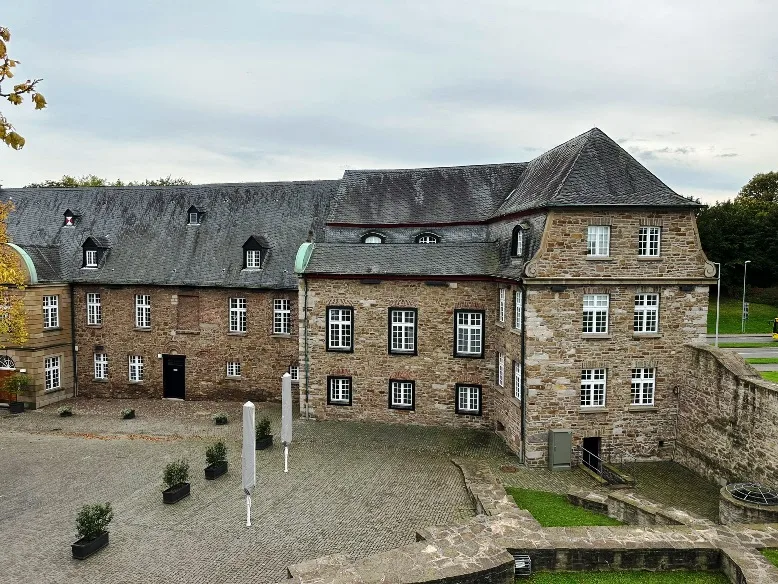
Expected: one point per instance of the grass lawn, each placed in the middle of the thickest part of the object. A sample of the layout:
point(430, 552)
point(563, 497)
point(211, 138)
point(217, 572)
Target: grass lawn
point(762, 360)
point(747, 345)
point(552, 510)
point(770, 376)
point(678, 577)
point(760, 316)
point(771, 555)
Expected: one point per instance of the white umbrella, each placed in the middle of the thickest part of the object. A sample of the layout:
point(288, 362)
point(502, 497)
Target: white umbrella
point(286, 416)
point(249, 456)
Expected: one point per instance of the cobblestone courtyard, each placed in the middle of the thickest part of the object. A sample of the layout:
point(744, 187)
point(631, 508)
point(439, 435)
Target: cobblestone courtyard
point(352, 488)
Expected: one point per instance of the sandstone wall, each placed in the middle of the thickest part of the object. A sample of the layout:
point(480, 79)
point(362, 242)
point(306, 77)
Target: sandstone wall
point(199, 331)
point(727, 423)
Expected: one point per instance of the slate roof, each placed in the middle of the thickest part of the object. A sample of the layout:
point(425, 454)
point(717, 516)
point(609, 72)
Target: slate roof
point(590, 169)
point(150, 241)
point(406, 259)
point(423, 195)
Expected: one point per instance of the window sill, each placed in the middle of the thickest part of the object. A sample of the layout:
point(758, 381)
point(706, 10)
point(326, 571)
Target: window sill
point(402, 408)
point(596, 336)
point(339, 404)
point(234, 378)
point(500, 323)
point(348, 350)
point(468, 413)
point(516, 331)
point(468, 355)
point(141, 382)
point(600, 258)
point(403, 353)
point(592, 410)
point(53, 390)
point(296, 381)
point(52, 328)
point(94, 326)
point(142, 329)
point(646, 335)
point(88, 267)
point(281, 336)
point(646, 408)
point(251, 270)
point(650, 258)
point(99, 380)
point(236, 334)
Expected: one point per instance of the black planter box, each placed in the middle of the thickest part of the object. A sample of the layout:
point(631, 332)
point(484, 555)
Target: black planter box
point(215, 470)
point(16, 407)
point(175, 493)
point(264, 443)
point(82, 549)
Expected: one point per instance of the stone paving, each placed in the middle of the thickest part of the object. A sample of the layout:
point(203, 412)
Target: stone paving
point(352, 488)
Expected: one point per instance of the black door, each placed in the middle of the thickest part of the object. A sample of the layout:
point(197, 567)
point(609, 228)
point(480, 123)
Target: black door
point(591, 454)
point(173, 376)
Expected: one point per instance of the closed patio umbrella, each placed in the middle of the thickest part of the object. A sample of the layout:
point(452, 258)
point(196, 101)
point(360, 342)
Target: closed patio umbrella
point(248, 456)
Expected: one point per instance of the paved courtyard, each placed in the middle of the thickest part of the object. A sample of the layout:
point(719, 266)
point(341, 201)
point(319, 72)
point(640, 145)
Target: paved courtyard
point(353, 488)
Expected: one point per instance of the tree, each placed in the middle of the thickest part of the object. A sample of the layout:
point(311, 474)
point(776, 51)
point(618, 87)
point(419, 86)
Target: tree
point(91, 180)
point(16, 95)
point(763, 187)
point(13, 326)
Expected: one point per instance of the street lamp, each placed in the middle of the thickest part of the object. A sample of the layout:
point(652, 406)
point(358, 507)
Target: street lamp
point(718, 299)
point(743, 316)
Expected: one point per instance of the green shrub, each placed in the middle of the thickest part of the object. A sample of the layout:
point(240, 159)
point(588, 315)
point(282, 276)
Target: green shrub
point(65, 411)
point(92, 520)
point(216, 452)
point(176, 472)
point(17, 383)
point(220, 418)
point(263, 428)
point(128, 414)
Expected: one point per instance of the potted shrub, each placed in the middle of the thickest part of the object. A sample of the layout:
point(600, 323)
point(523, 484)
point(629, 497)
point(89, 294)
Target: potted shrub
point(220, 419)
point(264, 437)
point(216, 457)
point(15, 385)
point(90, 524)
point(65, 411)
point(176, 477)
point(128, 414)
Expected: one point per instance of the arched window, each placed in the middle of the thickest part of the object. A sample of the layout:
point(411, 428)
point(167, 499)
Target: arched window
point(427, 238)
point(373, 238)
point(517, 241)
point(6, 362)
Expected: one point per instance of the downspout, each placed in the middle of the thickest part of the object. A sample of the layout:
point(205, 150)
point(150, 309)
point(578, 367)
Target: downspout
point(305, 350)
point(73, 339)
point(523, 376)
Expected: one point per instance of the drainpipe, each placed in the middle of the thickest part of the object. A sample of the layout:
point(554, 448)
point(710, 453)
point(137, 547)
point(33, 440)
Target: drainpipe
point(305, 342)
point(523, 376)
point(73, 339)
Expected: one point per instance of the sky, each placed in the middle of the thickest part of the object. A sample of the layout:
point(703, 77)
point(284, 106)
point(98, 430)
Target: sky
point(235, 91)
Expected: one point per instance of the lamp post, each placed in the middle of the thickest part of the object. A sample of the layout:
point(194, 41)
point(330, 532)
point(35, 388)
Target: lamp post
point(743, 316)
point(718, 299)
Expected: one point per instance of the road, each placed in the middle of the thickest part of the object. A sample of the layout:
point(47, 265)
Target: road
point(753, 353)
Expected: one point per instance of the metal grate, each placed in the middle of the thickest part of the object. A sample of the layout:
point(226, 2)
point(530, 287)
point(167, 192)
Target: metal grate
point(753, 493)
point(523, 565)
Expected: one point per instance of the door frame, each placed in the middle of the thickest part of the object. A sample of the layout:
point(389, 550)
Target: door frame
point(166, 358)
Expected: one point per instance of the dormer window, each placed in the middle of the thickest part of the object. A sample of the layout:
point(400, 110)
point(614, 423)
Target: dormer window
point(373, 238)
point(70, 217)
point(195, 216)
point(94, 249)
point(254, 253)
point(517, 241)
point(427, 238)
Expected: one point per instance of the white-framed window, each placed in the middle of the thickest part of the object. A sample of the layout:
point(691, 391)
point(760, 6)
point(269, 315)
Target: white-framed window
point(94, 310)
point(593, 382)
point(517, 300)
point(646, 317)
point(500, 369)
point(595, 313)
point(427, 238)
point(649, 241)
point(468, 399)
point(135, 368)
point(101, 366)
point(51, 366)
point(517, 380)
point(282, 317)
point(237, 315)
point(373, 239)
point(50, 312)
point(294, 372)
point(470, 333)
point(501, 305)
point(91, 258)
point(402, 327)
point(401, 394)
point(339, 391)
point(643, 384)
point(193, 219)
point(253, 259)
point(598, 239)
point(233, 368)
point(339, 328)
point(142, 311)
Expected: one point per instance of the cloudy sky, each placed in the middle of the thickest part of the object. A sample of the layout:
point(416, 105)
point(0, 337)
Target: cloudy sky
point(291, 89)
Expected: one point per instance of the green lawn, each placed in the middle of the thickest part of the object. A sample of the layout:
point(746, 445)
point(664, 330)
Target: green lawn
point(677, 577)
point(770, 376)
point(760, 316)
point(747, 345)
point(771, 555)
point(762, 360)
point(552, 510)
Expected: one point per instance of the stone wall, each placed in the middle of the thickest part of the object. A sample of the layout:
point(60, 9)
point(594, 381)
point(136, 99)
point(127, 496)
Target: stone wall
point(556, 351)
point(434, 368)
point(193, 322)
point(727, 428)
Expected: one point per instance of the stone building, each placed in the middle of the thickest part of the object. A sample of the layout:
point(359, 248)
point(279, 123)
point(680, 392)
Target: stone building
point(546, 300)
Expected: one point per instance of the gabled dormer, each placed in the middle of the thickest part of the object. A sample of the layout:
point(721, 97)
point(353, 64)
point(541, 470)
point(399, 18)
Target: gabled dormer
point(94, 250)
point(71, 217)
point(194, 216)
point(519, 239)
point(255, 252)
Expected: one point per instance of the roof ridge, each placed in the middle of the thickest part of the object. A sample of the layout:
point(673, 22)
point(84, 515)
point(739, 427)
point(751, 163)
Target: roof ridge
point(575, 160)
point(456, 166)
point(135, 187)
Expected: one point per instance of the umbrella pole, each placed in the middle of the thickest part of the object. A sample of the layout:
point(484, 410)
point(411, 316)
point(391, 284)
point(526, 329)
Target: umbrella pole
point(286, 457)
point(248, 510)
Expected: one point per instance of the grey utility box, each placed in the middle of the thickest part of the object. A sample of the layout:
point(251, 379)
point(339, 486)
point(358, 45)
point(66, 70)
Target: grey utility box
point(560, 449)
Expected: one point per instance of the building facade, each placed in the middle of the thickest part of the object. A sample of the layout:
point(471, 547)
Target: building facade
point(545, 300)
